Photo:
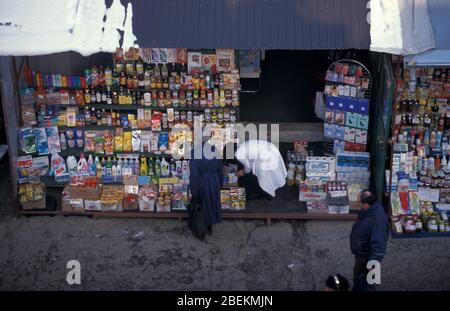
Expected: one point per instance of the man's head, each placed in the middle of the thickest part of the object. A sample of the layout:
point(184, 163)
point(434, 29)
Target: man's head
point(366, 198)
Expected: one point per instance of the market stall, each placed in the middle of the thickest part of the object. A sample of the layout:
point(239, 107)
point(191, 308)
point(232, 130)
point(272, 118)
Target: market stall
point(111, 142)
point(419, 173)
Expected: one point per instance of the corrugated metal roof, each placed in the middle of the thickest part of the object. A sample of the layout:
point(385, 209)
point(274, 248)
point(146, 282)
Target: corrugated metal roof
point(264, 24)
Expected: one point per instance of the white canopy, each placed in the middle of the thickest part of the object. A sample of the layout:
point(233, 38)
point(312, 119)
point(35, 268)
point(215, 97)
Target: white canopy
point(30, 27)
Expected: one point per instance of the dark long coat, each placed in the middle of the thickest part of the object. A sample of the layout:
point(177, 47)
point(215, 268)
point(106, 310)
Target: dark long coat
point(206, 179)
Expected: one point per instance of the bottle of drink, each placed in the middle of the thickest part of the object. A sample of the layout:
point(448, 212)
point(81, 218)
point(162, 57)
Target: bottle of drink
point(158, 167)
point(443, 163)
point(109, 167)
point(108, 76)
point(151, 167)
point(147, 79)
point(62, 140)
point(91, 166)
point(98, 167)
point(93, 96)
point(114, 168)
point(108, 96)
point(98, 96)
point(173, 168)
point(93, 116)
point(144, 167)
point(140, 66)
point(119, 167)
point(103, 162)
point(165, 168)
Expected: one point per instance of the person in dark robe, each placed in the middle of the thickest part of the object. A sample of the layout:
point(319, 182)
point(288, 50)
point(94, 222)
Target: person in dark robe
point(206, 180)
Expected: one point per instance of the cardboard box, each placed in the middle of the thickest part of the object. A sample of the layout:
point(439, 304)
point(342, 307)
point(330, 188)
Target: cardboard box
point(92, 205)
point(85, 193)
point(69, 204)
point(37, 204)
point(317, 207)
point(312, 196)
point(338, 209)
point(146, 206)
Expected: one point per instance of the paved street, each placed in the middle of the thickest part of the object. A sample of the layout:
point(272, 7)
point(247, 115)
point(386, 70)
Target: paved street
point(143, 254)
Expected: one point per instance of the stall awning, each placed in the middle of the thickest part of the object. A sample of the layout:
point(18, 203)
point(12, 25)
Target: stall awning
point(244, 24)
point(29, 27)
point(439, 13)
point(417, 29)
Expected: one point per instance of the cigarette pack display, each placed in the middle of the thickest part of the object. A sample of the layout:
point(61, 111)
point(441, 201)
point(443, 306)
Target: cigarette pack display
point(351, 119)
point(361, 137)
point(363, 122)
point(350, 134)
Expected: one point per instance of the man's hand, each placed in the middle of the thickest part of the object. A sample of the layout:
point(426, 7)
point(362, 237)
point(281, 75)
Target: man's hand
point(240, 173)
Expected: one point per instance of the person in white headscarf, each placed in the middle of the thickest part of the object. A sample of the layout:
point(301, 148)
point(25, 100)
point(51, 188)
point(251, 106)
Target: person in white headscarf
point(262, 170)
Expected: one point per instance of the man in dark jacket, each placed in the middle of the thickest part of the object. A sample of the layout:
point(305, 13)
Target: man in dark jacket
point(369, 234)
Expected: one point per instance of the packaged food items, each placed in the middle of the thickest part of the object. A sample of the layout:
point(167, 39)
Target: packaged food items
point(111, 198)
point(79, 138)
point(127, 141)
point(89, 143)
point(32, 196)
point(27, 140)
point(237, 196)
point(225, 199)
point(109, 142)
point(147, 198)
point(118, 140)
point(136, 140)
point(163, 142)
point(41, 140)
point(154, 143)
point(131, 190)
point(164, 199)
point(145, 141)
point(99, 143)
point(179, 201)
point(156, 120)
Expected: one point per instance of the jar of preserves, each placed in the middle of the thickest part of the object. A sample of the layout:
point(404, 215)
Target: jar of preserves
point(410, 226)
point(419, 225)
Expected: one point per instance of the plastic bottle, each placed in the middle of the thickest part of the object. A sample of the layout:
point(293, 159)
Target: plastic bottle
point(151, 167)
point(173, 168)
point(144, 167)
point(109, 167)
point(103, 162)
point(91, 166)
point(108, 76)
point(119, 167)
point(62, 140)
point(179, 170)
point(185, 169)
point(98, 167)
point(114, 168)
point(443, 163)
point(158, 167)
point(165, 168)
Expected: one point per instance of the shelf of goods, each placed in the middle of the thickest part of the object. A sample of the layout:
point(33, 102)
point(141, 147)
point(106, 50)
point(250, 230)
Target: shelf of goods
point(418, 181)
point(133, 120)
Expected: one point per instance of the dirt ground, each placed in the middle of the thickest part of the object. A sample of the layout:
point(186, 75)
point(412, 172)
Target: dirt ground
point(147, 254)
